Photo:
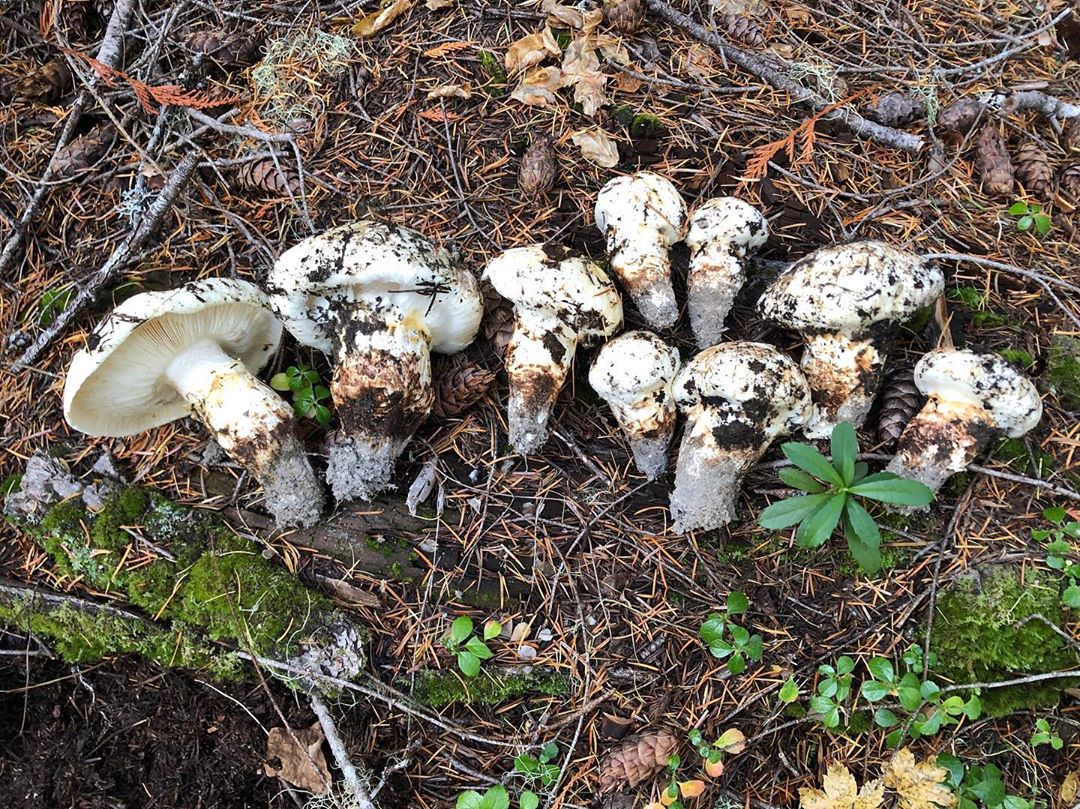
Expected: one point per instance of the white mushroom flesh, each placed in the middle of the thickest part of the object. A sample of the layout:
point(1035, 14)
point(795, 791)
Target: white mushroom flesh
point(634, 373)
point(723, 232)
point(642, 216)
point(738, 398)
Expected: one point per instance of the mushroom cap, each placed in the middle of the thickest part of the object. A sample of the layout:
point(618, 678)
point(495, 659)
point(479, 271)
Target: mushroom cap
point(766, 383)
point(851, 287)
point(644, 201)
point(116, 385)
point(727, 220)
point(574, 291)
point(984, 380)
point(387, 267)
point(633, 367)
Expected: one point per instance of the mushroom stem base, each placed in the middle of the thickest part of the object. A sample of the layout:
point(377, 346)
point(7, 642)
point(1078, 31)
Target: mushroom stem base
point(707, 479)
point(537, 362)
point(358, 467)
point(647, 277)
point(711, 291)
point(651, 454)
point(844, 375)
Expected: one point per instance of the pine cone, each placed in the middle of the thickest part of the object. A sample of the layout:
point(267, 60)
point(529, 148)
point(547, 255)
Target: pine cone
point(625, 16)
point(538, 167)
point(498, 319)
point(957, 119)
point(263, 175)
point(636, 759)
point(896, 109)
point(84, 151)
point(900, 401)
point(460, 389)
point(235, 50)
point(992, 162)
point(49, 83)
point(1069, 181)
point(1034, 172)
point(1071, 136)
point(746, 31)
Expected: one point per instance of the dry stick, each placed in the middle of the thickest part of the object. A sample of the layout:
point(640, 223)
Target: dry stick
point(108, 54)
point(108, 271)
point(341, 756)
point(884, 135)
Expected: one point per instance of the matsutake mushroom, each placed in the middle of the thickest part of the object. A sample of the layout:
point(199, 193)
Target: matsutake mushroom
point(633, 373)
point(642, 216)
point(378, 298)
point(738, 398)
point(972, 399)
point(559, 303)
point(849, 301)
point(193, 351)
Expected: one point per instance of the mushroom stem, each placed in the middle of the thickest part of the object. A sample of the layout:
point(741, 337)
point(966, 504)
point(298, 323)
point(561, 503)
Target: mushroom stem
point(944, 438)
point(844, 374)
point(649, 430)
point(252, 424)
point(719, 448)
point(711, 287)
point(382, 392)
point(538, 359)
point(645, 269)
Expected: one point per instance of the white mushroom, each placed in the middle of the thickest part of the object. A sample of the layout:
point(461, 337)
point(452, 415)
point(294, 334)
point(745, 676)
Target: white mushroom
point(192, 351)
point(379, 298)
point(972, 399)
point(558, 303)
point(633, 373)
point(723, 232)
point(849, 301)
point(642, 215)
point(738, 398)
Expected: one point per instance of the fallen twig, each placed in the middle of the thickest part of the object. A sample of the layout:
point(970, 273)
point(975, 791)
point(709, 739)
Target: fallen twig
point(341, 756)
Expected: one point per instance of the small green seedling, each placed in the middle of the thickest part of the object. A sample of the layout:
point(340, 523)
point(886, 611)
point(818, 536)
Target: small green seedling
point(1059, 550)
point(729, 641)
point(832, 691)
point(1044, 735)
point(469, 649)
point(1031, 214)
point(539, 768)
point(308, 394)
point(52, 303)
point(789, 691)
point(981, 786)
point(730, 742)
point(495, 798)
point(833, 490)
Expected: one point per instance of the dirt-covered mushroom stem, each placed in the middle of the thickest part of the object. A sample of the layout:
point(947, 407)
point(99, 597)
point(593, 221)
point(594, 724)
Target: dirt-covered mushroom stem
point(738, 398)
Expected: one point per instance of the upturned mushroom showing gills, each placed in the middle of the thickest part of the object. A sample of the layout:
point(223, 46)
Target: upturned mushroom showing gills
point(642, 215)
point(738, 398)
point(848, 301)
point(633, 373)
point(972, 399)
point(558, 304)
point(193, 351)
point(378, 298)
point(723, 233)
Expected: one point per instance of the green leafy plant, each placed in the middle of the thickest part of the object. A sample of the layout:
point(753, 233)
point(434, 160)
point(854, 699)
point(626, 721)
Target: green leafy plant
point(979, 786)
point(495, 798)
point(789, 691)
point(1045, 735)
point(1059, 549)
point(469, 649)
point(52, 303)
point(1031, 214)
point(307, 392)
point(730, 742)
point(675, 790)
point(729, 641)
point(833, 491)
point(833, 689)
point(540, 768)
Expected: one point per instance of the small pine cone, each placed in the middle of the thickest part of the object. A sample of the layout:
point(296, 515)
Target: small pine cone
point(1034, 172)
point(104, 8)
point(896, 109)
point(745, 31)
point(264, 175)
point(498, 319)
point(1071, 136)
point(235, 50)
point(460, 389)
point(83, 151)
point(900, 401)
point(49, 83)
point(538, 167)
point(636, 759)
point(74, 20)
point(625, 16)
point(1069, 181)
point(956, 120)
point(992, 162)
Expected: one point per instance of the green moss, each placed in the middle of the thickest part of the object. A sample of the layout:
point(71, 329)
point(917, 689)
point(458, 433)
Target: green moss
point(1014, 452)
point(968, 296)
point(646, 125)
point(1063, 370)
point(975, 638)
point(1018, 357)
point(490, 64)
point(989, 320)
point(438, 688)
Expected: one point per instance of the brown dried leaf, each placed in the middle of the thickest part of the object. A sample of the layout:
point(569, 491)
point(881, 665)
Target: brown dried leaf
point(538, 86)
point(840, 791)
point(302, 761)
point(699, 62)
point(373, 23)
point(597, 147)
point(919, 784)
point(531, 50)
point(625, 83)
point(992, 162)
point(581, 68)
point(589, 93)
point(1069, 788)
point(450, 91)
point(436, 5)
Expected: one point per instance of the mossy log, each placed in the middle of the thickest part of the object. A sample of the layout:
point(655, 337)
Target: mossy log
point(493, 686)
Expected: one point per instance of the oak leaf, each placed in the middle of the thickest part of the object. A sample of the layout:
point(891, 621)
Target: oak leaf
point(919, 784)
point(840, 791)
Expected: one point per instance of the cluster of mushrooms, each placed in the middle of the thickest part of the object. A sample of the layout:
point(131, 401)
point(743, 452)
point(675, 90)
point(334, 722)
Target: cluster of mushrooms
point(379, 298)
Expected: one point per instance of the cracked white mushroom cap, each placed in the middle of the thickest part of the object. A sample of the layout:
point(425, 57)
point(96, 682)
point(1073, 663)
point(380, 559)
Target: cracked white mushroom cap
point(558, 303)
point(848, 301)
point(193, 351)
point(723, 232)
point(634, 373)
point(642, 216)
point(379, 297)
point(971, 399)
point(738, 398)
